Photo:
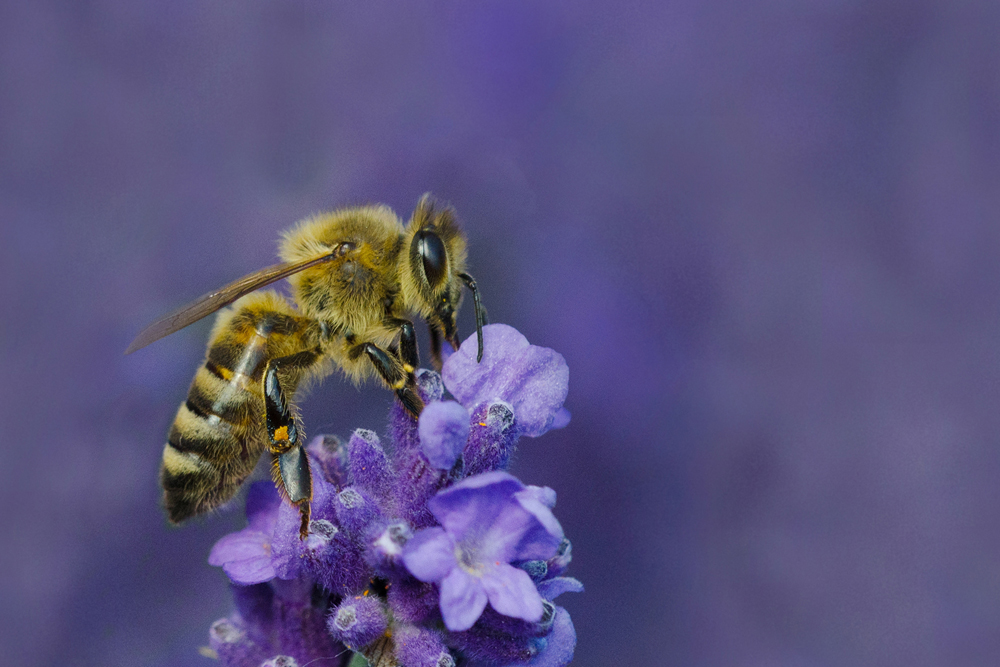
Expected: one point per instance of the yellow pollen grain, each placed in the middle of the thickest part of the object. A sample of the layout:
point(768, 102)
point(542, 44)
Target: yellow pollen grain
point(281, 433)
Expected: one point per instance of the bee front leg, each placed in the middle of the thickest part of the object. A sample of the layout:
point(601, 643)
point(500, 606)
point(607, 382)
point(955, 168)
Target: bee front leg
point(408, 352)
point(394, 372)
point(289, 462)
point(435, 347)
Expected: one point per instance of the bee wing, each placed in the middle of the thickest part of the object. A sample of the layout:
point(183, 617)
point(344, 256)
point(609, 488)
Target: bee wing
point(220, 298)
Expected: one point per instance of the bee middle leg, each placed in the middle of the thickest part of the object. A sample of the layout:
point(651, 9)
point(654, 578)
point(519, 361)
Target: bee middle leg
point(396, 372)
point(289, 463)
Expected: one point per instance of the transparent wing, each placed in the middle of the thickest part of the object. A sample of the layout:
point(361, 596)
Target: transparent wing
point(220, 298)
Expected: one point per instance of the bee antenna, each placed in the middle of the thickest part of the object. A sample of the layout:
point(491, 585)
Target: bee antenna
point(481, 320)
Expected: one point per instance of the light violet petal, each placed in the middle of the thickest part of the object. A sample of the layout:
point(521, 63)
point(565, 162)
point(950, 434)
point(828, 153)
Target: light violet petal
point(443, 427)
point(561, 419)
point(542, 494)
point(512, 593)
point(533, 379)
point(240, 546)
point(251, 571)
point(473, 504)
point(430, 555)
point(512, 531)
point(286, 547)
point(550, 589)
point(462, 600)
point(543, 540)
point(324, 500)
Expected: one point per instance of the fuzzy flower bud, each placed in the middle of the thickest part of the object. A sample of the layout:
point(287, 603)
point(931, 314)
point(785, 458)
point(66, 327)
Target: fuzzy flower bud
point(356, 511)
point(232, 645)
point(358, 621)
point(420, 647)
point(369, 466)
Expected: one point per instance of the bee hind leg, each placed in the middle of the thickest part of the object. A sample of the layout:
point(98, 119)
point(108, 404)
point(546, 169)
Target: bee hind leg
point(289, 463)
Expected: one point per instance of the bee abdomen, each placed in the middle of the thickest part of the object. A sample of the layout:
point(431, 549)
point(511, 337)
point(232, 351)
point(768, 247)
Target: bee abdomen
point(208, 451)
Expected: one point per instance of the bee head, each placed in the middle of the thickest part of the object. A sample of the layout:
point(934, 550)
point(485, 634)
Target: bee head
point(434, 269)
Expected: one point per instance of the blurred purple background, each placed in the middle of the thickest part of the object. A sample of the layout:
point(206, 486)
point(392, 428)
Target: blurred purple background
point(764, 235)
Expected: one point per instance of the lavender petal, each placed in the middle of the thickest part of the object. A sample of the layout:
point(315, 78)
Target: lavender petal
point(444, 428)
point(512, 593)
point(533, 379)
point(462, 600)
point(550, 589)
point(430, 555)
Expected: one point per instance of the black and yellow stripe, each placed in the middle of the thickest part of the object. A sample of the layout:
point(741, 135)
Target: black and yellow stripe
point(217, 435)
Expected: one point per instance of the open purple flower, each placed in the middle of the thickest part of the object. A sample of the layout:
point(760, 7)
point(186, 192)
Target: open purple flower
point(532, 379)
point(246, 556)
point(487, 522)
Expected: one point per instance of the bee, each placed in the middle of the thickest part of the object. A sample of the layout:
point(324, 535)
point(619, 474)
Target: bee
point(358, 277)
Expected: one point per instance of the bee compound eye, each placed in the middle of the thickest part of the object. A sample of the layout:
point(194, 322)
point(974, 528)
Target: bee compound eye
point(432, 251)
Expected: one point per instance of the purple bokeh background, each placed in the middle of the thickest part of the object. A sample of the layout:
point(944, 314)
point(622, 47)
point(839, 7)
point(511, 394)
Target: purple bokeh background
point(763, 234)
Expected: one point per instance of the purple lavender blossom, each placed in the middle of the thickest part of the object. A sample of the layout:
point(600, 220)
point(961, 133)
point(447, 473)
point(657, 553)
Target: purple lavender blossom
point(246, 556)
point(443, 429)
point(534, 380)
point(408, 543)
point(488, 521)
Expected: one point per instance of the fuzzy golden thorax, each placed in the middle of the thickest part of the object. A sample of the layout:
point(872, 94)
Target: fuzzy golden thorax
point(355, 291)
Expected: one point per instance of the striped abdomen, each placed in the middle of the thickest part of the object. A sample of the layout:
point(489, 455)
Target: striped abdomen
point(218, 433)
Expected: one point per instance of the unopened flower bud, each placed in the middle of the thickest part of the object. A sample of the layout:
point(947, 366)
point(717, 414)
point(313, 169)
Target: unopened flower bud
point(232, 645)
point(358, 621)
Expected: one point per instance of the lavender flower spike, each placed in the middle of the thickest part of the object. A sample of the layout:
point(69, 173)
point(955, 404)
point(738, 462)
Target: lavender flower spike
point(532, 379)
point(488, 521)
